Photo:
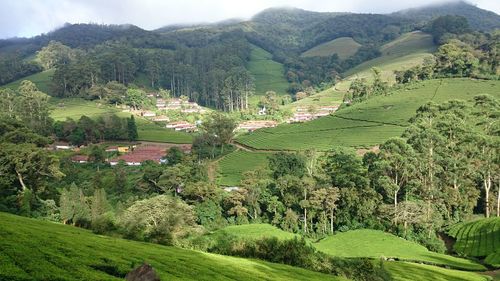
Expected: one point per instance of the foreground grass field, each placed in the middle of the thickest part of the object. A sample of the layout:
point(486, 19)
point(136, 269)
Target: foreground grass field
point(405, 271)
point(36, 250)
point(268, 74)
point(376, 244)
point(344, 47)
point(232, 167)
point(480, 238)
point(368, 123)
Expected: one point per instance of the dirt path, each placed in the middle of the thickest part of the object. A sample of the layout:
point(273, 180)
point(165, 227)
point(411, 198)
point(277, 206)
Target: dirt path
point(212, 169)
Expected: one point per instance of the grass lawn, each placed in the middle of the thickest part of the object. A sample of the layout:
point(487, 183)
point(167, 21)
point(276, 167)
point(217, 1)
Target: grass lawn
point(257, 231)
point(41, 79)
point(406, 271)
point(233, 165)
point(344, 47)
point(37, 250)
point(368, 123)
point(269, 74)
point(376, 244)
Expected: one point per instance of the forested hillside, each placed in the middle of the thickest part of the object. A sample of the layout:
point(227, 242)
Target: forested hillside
point(210, 63)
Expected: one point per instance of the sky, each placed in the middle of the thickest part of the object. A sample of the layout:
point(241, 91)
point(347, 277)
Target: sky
point(26, 18)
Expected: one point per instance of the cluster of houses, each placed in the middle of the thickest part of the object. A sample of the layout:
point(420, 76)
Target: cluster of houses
point(303, 114)
point(134, 155)
point(182, 126)
point(176, 104)
point(253, 125)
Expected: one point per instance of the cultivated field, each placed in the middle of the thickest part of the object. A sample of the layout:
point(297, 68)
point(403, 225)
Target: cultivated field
point(36, 250)
point(480, 238)
point(368, 123)
point(344, 47)
point(233, 165)
point(268, 74)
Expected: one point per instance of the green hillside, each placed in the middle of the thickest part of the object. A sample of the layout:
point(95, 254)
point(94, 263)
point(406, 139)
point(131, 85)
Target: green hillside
point(344, 47)
point(326, 97)
point(376, 244)
point(268, 74)
point(407, 271)
point(408, 50)
point(368, 123)
point(480, 238)
point(232, 167)
point(36, 250)
point(41, 79)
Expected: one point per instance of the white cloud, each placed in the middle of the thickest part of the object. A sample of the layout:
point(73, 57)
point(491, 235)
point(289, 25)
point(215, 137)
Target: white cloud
point(32, 17)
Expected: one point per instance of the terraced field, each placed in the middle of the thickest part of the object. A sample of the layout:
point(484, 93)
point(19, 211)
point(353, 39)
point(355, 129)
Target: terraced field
point(480, 238)
point(344, 47)
point(369, 123)
point(37, 250)
point(232, 167)
point(268, 74)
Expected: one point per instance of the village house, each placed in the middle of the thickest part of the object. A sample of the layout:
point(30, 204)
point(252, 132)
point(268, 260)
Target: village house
point(256, 124)
point(80, 159)
point(148, 114)
point(112, 149)
point(161, 118)
point(141, 154)
point(181, 126)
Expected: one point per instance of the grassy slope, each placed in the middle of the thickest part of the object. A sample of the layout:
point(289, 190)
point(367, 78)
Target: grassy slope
point(326, 97)
point(406, 271)
point(386, 243)
point(268, 74)
point(233, 165)
point(369, 123)
point(36, 250)
point(375, 244)
point(480, 238)
point(41, 79)
point(344, 47)
point(408, 50)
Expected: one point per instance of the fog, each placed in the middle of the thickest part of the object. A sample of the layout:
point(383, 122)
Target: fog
point(26, 18)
